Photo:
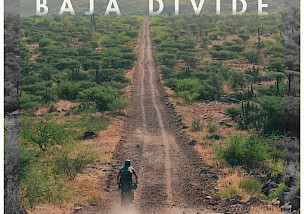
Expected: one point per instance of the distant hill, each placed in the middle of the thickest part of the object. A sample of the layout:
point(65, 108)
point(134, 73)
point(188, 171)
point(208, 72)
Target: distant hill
point(140, 7)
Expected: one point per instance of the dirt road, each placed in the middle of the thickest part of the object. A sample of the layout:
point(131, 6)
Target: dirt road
point(172, 178)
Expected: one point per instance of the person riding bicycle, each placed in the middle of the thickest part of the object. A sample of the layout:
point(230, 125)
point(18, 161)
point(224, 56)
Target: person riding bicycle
point(124, 178)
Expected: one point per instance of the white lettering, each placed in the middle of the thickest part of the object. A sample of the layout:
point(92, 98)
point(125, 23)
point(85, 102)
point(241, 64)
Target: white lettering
point(218, 7)
point(176, 7)
point(198, 9)
point(40, 6)
point(91, 8)
point(234, 12)
point(151, 7)
point(260, 8)
point(115, 8)
point(67, 9)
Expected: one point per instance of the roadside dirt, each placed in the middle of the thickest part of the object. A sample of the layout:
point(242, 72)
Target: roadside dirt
point(172, 177)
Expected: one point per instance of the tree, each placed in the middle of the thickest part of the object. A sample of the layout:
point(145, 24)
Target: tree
point(237, 78)
point(252, 56)
point(224, 54)
point(273, 112)
point(276, 64)
point(102, 96)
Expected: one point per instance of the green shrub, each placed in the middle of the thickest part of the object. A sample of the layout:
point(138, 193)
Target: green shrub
point(68, 164)
point(171, 83)
point(87, 123)
point(276, 193)
point(273, 113)
point(244, 37)
point(233, 112)
point(118, 105)
point(213, 128)
point(246, 151)
point(237, 78)
point(43, 133)
point(68, 90)
point(276, 64)
point(276, 167)
point(224, 55)
point(102, 96)
point(40, 185)
point(253, 56)
point(251, 185)
point(187, 84)
point(197, 125)
point(29, 102)
point(235, 48)
point(228, 192)
point(208, 92)
point(188, 96)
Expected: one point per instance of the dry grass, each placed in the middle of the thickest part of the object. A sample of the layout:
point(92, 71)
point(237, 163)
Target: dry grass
point(232, 179)
point(64, 208)
point(265, 210)
point(64, 105)
point(208, 112)
point(106, 141)
point(206, 154)
point(60, 105)
point(128, 89)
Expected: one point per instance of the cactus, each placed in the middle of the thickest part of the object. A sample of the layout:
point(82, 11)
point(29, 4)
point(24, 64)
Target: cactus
point(259, 39)
point(97, 75)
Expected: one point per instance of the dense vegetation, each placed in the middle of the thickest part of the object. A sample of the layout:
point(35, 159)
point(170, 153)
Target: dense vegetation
point(197, 60)
point(230, 59)
point(78, 59)
point(63, 57)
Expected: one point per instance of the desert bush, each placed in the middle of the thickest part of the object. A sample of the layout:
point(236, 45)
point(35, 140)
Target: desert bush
point(40, 185)
point(251, 185)
point(276, 167)
point(235, 48)
point(276, 193)
point(224, 55)
point(29, 102)
point(238, 78)
point(275, 50)
point(118, 105)
point(68, 90)
point(68, 164)
point(197, 125)
point(208, 92)
point(276, 64)
point(244, 37)
point(102, 96)
point(273, 113)
point(188, 96)
point(228, 192)
point(166, 71)
point(43, 133)
point(213, 127)
point(187, 84)
point(253, 56)
point(246, 151)
point(171, 83)
point(233, 112)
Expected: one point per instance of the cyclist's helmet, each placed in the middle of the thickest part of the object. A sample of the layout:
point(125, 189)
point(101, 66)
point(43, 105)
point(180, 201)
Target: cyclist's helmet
point(128, 162)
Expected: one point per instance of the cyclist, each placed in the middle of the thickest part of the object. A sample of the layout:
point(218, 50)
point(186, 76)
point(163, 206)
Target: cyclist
point(124, 178)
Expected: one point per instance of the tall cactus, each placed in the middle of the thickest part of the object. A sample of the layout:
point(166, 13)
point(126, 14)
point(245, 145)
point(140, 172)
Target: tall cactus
point(259, 39)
